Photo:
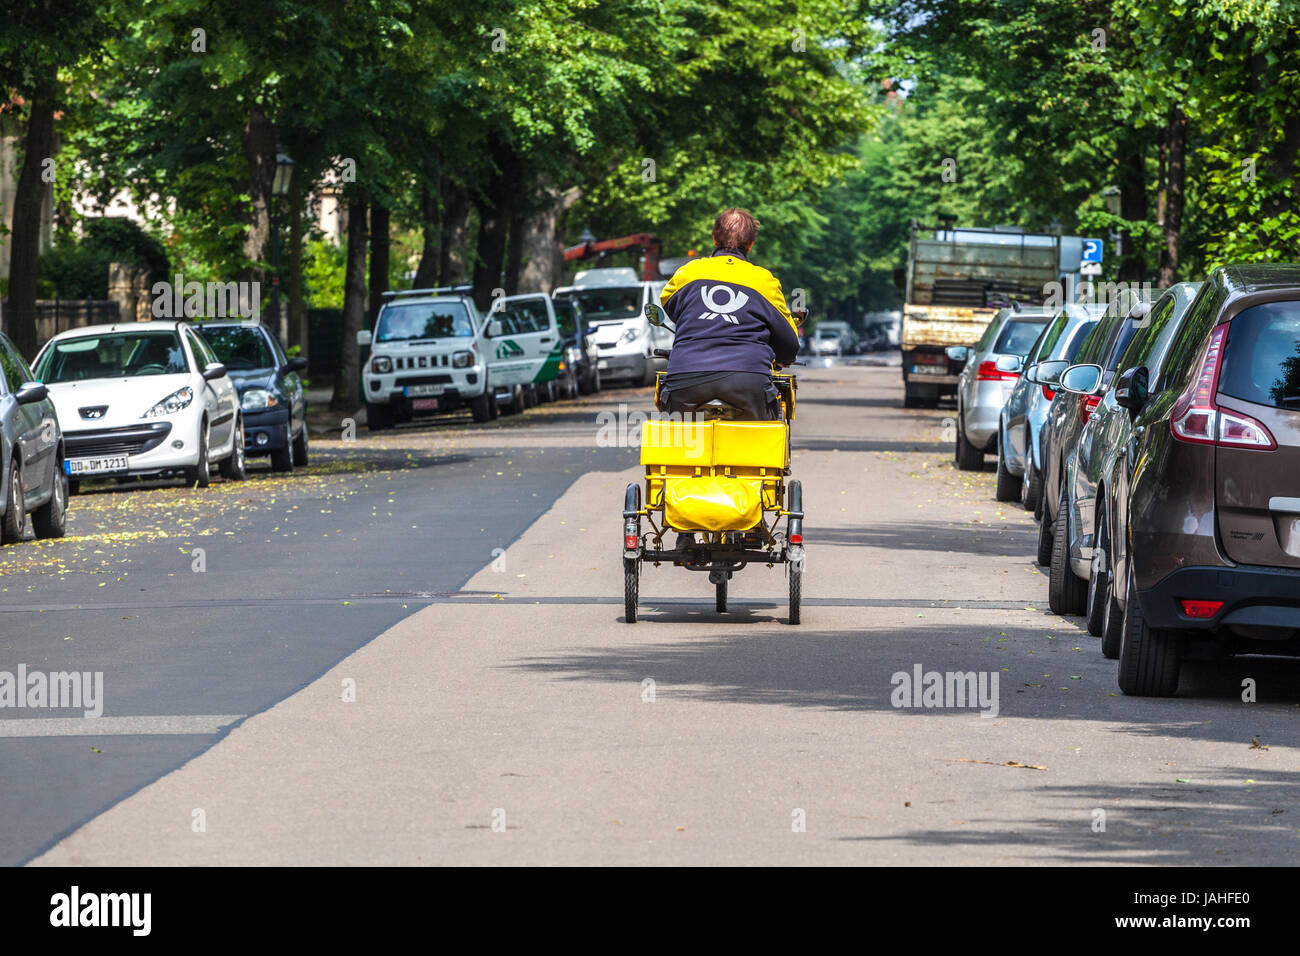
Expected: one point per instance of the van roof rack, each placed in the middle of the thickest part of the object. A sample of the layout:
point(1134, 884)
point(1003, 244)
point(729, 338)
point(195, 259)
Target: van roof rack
point(394, 293)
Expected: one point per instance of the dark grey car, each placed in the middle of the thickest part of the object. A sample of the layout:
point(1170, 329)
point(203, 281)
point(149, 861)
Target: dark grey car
point(1102, 450)
point(31, 453)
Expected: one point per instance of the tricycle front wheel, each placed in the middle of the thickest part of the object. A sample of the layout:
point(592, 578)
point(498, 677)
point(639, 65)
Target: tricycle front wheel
point(796, 593)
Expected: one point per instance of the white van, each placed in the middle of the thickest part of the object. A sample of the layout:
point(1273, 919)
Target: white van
point(613, 302)
point(434, 352)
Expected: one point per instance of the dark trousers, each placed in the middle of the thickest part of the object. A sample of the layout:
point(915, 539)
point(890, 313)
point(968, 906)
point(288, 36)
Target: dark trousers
point(751, 392)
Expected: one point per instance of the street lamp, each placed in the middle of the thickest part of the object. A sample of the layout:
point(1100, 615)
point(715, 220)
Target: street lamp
point(279, 189)
point(587, 236)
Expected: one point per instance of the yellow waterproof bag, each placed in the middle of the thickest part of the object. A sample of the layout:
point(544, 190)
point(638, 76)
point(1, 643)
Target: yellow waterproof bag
point(711, 503)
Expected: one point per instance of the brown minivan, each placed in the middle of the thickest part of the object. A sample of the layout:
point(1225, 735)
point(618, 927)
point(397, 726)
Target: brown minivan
point(1211, 514)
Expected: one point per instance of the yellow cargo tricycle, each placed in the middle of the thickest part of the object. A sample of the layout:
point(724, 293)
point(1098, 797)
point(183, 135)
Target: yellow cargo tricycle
point(722, 487)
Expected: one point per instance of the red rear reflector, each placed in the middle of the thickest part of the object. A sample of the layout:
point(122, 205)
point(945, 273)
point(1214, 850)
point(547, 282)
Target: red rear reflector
point(796, 539)
point(1086, 404)
point(629, 542)
point(1201, 609)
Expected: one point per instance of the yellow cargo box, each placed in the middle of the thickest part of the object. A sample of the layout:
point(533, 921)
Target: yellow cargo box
point(750, 444)
point(668, 442)
point(712, 503)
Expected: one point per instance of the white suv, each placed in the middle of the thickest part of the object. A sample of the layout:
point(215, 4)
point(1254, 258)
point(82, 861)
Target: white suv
point(432, 351)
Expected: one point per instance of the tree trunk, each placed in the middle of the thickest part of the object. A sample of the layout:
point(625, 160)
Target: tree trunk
point(379, 254)
point(514, 257)
point(346, 397)
point(259, 153)
point(1173, 213)
point(542, 242)
point(454, 233)
point(29, 200)
point(1133, 206)
point(494, 212)
point(297, 304)
point(426, 274)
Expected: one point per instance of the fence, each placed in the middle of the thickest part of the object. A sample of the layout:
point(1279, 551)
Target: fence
point(58, 315)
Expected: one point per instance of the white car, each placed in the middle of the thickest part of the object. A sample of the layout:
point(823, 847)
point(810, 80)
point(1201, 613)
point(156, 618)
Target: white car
point(142, 398)
point(613, 303)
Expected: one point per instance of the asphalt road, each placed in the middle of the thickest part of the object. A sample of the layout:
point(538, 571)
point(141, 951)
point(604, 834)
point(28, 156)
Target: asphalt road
point(421, 642)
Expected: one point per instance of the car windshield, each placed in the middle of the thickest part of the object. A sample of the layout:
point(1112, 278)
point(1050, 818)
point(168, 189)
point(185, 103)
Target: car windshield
point(1261, 362)
point(114, 355)
point(608, 305)
point(1018, 337)
point(238, 348)
point(424, 320)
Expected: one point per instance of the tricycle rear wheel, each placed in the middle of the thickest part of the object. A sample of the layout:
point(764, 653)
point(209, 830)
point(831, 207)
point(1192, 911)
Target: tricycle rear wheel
point(631, 588)
point(796, 594)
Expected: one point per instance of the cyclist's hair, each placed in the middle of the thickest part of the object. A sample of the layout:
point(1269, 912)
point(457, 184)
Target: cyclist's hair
point(734, 229)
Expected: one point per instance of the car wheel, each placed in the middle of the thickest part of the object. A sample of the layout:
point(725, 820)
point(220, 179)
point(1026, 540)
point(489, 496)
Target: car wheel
point(1033, 485)
point(14, 523)
point(1148, 657)
point(648, 376)
point(1097, 578)
point(282, 458)
point(1065, 590)
point(481, 407)
point(378, 416)
point(1112, 619)
point(234, 467)
point(969, 458)
point(199, 475)
point(50, 520)
point(300, 448)
point(1009, 485)
point(1044, 555)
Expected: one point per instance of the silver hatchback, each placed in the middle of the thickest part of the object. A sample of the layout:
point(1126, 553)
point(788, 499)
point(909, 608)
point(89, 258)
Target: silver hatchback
point(991, 370)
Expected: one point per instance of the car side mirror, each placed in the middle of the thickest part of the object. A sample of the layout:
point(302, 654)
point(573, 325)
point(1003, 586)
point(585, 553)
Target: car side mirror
point(364, 337)
point(493, 328)
point(1030, 374)
point(296, 364)
point(30, 392)
point(213, 370)
point(957, 353)
point(1081, 379)
point(1132, 389)
point(1009, 363)
point(1049, 373)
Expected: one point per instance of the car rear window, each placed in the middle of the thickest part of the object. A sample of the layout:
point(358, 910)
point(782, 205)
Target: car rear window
point(1261, 362)
point(1018, 337)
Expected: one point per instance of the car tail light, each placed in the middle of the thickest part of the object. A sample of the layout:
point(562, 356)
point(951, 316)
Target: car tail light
point(1086, 405)
point(1048, 393)
point(1197, 418)
point(1201, 609)
point(989, 372)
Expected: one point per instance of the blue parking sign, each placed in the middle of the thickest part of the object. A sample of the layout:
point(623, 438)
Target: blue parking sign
point(1092, 250)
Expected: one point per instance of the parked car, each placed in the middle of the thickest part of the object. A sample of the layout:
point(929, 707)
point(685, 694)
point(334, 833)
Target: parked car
point(1210, 512)
point(1065, 420)
point(826, 341)
point(992, 367)
point(1102, 450)
point(32, 478)
point(1021, 419)
point(271, 395)
point(581, 372)
point(143, 398)
point(526, 352)
point(1072, 534)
